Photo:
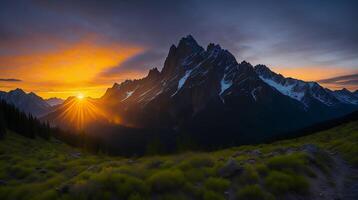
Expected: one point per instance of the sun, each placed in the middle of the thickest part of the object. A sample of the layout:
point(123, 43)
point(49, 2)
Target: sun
point(80, 96)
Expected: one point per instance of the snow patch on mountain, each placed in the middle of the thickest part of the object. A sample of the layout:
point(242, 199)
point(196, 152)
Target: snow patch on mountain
point(128, 94)
point(253, 93)
point(224, 85)
point(284, 89)
point(182, 81)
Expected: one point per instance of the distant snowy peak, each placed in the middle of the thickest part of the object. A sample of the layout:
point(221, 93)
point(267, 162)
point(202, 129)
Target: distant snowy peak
point(297, 89)
point(346, 96)
point(54, 101)
point(29, 103)
point(356, 93)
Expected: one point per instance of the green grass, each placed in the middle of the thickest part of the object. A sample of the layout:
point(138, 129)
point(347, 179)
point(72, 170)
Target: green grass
point(39, 169)
point(280, 183)
point(217, 184)
point(166, 180)
point(253, 192)
point(295, 162)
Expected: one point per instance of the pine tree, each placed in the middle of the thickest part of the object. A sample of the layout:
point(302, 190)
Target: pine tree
point(2, 126)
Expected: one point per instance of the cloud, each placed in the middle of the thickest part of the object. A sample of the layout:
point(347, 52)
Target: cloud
point(279, 33)
point(351, 79)
point(140, 62)
point(10, 80)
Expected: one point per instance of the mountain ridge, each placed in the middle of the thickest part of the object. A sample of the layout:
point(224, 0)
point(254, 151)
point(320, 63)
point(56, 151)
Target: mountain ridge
point(29, 103)
point(206, 95)
point(197, 85)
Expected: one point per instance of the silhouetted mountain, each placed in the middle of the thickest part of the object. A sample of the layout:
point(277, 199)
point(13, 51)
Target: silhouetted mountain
point(345, 96)
point(54, 101)
point(29, 103)
point(317, 100)
point(207, 96)
point(212, 97)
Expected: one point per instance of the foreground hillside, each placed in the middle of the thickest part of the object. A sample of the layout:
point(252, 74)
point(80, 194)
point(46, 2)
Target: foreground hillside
point(319, 166)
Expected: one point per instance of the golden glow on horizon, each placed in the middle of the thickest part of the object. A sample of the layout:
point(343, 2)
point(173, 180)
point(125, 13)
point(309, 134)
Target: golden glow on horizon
point(69, 68)
point(312, 73)
point(81, 111)
point(316, 73)
point(80, 96)
point(79, 66)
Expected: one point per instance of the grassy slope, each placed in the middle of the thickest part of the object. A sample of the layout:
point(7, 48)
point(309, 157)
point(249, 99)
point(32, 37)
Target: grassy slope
point(38, 169)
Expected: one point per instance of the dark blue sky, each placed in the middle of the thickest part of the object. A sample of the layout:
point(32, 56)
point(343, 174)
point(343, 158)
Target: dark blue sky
point(307, 39)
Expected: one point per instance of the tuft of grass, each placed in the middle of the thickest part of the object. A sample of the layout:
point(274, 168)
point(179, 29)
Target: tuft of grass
point(166, 180)
point(253, 192)
point(122, 186)
point(217, 184)
point(199, 161)
point(211, 195)
point(19, 171)
point(296, 162)
point(281, 183)
point(249, 175)
point(262, 169)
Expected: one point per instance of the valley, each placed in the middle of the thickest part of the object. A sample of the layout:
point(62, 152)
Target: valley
point(319, 166)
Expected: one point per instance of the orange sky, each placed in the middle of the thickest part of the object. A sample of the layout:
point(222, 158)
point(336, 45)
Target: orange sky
point(76, 68)
point(67, 71)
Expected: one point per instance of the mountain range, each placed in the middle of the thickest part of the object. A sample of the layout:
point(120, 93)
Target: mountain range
point(206, 95)
point(29, 103)
point(54, 101)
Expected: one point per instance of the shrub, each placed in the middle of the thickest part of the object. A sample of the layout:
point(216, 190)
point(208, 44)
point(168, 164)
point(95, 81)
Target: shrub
point(211, 195)
point(293, 162)
point(121, 184)
point(166, 180)
point(19, 172)
point(253, 192)
point(262, 169)
point(135, 197)
point(195, 174)
point(172, 196)
point(127, 185)
point(249, 176)
point(197, 162)
point(217, 184)
point(280, 183)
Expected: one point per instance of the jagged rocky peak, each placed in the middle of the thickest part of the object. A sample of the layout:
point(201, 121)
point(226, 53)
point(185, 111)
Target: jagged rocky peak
point(262, 69)
point(187, 47)
point(153, 73)
point(17, 91)
point(214, 50)
point(345, 90)
point(189, 43)
point(346, 96)
point(246, 67)
point(118, 86)
point(115, 85)
point(213, 47)
point(265, 72)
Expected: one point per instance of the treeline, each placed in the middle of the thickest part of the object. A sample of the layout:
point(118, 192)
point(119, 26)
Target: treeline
point(11, 118)
point(24, 124)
